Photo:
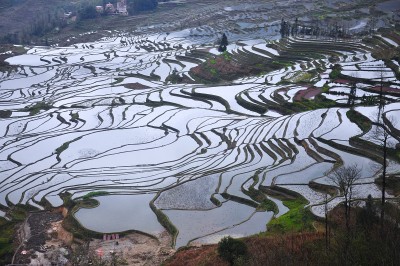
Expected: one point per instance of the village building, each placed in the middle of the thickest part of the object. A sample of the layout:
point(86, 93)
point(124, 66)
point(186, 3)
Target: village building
point(122, 7)
point(109, 9)
point(99, 9)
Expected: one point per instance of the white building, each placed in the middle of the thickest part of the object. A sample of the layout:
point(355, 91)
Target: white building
point(121, 7)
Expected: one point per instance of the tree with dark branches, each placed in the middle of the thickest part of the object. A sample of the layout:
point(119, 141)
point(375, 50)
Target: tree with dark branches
point(381, 136)
point(345, 178)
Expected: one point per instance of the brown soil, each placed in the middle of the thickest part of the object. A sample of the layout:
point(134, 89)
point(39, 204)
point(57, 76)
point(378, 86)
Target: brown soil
point(219, 68)
point(136, 248)
point(385, 89)
point(307, 94)
point(271, 250)
point(342, 81)
point(204, 255)
point(136, 86)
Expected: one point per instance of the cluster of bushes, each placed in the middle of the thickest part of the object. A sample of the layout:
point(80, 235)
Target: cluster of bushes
point(336, 72)
point(318, 102)
point(6, 240)
point(174, 77)
point(164, 220)
point(232, 250)
point(368, 241)
point(35, 109)
point(87, 12)
point(64, 146)
point(297, 219)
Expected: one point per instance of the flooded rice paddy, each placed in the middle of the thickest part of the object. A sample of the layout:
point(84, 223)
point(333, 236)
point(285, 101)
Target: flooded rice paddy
point(102, 117)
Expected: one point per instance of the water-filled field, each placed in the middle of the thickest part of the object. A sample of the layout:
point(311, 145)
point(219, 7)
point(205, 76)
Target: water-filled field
point(103, 117)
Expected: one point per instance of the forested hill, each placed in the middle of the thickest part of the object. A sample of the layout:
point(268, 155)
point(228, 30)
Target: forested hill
point(23, 19)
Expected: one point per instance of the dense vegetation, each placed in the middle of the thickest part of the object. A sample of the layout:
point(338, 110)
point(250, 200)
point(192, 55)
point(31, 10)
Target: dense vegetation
point(232, 250)
point(141, 5)
point(7, 232)
point(364, 243)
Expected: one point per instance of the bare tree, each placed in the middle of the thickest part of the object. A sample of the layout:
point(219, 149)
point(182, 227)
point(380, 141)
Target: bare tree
point(345, 178)
point(381, 136)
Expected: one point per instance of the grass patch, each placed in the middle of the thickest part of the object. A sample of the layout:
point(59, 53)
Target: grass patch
point(35, 109)
point(165, 221)
point(117, 80)
point(336, 72)
point(268, 205)
point(301, 77)
point(325, 88)
point(71, 224)
point(318, 102)
point(227, 56)
point(213, 71)
point(297, 219)
point(360, 120)
point(215, 201)
point(265, 204)
point(65, 146)
point(282, 64)
point(75, 228)
point(95, 194)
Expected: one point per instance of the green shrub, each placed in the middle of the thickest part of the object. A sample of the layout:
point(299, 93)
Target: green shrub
point(227, 56)
point(231, 249)
point(95, 194)
point(65, 146)
point(35, 109)
point(5, 113)
point(268, 205)
point(7, 229)
point(297, 219)
point(336, 71)
point(325, 88)
point(74, 116)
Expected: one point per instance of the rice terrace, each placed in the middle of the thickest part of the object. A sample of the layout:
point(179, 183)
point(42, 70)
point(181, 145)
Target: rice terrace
point(129, 137)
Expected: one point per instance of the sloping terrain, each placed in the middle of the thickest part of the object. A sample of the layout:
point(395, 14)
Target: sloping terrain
point(103, 119)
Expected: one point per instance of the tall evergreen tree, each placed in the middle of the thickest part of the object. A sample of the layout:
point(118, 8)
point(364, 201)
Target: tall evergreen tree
point(223, 44)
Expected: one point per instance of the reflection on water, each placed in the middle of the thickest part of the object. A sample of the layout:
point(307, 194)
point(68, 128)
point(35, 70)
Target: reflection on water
point(117, 213)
